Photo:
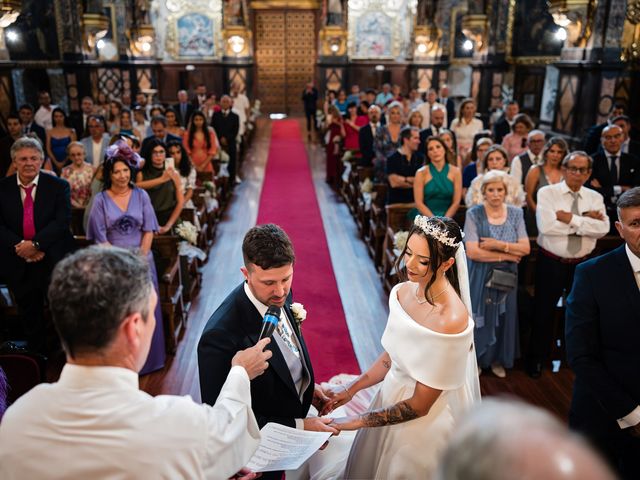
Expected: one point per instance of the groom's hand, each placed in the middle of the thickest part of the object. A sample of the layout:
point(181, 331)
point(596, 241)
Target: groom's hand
point(319, 400)
point(318, 424)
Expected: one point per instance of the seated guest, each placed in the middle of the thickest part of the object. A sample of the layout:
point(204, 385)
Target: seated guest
point(466, 125)
point(515, 142)
point(389, 138)
point(34, 235)
point(369, 136)
point(166, 195)
point(520, 164)
point(79, 174)
point(187, 173)
point(402, 166)
point(58, 137)
point(496, 239)
point(474, 168)
point(549, 172)
point(14, 129)
point(95, 422)
point(96, 143)
point(437, 188)
point(614, 171)
point(200, 142)
point(495, 159)
point(122, 215)
point(571, 218)
point(506, 439)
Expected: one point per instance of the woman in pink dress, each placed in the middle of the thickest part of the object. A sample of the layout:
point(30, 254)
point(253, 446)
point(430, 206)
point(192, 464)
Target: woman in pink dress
point(352, 124)
point(200, 142)
point(515, 142)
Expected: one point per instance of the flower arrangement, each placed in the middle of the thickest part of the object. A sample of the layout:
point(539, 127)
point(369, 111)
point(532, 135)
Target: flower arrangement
point(348, 155)
point(400, 240)
point(210, 187)
point(187, 231)
point(299, 313)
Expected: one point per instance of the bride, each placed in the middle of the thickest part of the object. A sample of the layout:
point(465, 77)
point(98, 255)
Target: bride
point(428, 368)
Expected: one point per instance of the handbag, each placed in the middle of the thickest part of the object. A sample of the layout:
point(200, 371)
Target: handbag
point(502, 280)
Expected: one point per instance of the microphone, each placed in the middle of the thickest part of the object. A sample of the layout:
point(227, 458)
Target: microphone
point(270, 321)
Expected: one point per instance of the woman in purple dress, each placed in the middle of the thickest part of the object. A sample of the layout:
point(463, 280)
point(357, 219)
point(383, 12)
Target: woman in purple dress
point(122, 215)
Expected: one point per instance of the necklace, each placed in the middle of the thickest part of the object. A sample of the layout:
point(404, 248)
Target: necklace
point(120, 194)
point(433, 297)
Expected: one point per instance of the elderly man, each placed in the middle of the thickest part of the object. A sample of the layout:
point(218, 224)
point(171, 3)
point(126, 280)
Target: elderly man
point(97, 142)
point(521, 164)
point(385, 96)
point(368, 135)
point(602, 328)
point(570, 219)
point(226, 123)
point(438, 116)
point(427, 108)
point(95, 422)
point(504, 440)
point(35, 214)
point(614, 171)
point(183, 108)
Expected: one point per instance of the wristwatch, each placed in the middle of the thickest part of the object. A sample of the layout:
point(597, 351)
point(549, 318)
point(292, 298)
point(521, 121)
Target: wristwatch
point(35, 244)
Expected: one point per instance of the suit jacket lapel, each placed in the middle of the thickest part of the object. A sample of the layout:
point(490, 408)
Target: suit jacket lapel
point(253, 324)
point(628, 278)
point(15, 193)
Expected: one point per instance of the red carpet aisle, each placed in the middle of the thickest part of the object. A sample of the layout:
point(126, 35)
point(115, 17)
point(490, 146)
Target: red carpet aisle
point(289, 200)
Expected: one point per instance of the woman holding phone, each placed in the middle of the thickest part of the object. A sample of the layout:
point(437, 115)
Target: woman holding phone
point(166, 196)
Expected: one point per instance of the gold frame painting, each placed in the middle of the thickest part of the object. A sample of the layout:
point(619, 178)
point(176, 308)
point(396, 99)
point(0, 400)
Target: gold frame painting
point(208, 42)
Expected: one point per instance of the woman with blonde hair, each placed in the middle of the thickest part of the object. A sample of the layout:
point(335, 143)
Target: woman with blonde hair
point(466, 125)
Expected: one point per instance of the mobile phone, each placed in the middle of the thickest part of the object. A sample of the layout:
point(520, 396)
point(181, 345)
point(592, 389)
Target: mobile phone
point(169, 163)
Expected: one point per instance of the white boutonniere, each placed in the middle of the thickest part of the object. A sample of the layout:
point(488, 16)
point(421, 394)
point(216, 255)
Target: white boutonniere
point(299, 313)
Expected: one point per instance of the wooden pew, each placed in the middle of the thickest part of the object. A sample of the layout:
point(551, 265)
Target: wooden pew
point(374, 233)
point(190, 268)
point(77, 221)
point(397, 220)
point(174, 312)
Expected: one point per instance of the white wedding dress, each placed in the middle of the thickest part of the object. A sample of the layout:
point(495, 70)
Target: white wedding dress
point(444, 362)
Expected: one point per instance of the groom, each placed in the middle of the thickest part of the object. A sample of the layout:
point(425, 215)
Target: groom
point(284, 393)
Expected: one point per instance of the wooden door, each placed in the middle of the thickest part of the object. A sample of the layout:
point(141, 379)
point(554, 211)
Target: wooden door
point(285, 57)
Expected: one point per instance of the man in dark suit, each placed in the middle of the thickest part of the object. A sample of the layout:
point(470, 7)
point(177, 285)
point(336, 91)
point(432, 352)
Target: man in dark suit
point(436, 127)
point(200, 97)
point(366, 137)
point(29, 126)
point(227, 124)
point(448, 103)
point(159, 129)
point(613, 171)
point(183, 108)
point(35, 215)
point(602, 331)
point(629, 145)
point(80, 120)
point(15, 132)
point(503, 125)
point(286, 390)
point(592, 136)
point(310, 101)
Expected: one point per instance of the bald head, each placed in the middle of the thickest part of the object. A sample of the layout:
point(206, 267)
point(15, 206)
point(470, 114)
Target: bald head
point(502, 440)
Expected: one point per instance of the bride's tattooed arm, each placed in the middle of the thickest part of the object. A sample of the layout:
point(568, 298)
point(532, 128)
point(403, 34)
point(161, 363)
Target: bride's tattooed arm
point(400, 412)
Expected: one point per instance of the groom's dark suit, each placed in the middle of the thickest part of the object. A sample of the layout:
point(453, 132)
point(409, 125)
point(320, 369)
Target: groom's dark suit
point(234, 326)
point(602, 333)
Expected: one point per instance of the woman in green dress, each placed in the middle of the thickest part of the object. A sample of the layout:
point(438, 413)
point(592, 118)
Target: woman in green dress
point(437, 188)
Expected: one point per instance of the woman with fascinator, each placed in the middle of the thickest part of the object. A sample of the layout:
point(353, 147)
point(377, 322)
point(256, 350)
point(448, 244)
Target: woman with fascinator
point(427, 373)
point(122, 215)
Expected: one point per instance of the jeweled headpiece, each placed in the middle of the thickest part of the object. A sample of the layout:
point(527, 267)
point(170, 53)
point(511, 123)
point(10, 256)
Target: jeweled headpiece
point(433, 230)
point(122, 152)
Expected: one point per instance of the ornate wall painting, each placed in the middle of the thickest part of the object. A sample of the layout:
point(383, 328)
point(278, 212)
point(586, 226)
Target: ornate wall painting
point(381, 29)
point(195, 36)
point(373, 36)
point(189, 30)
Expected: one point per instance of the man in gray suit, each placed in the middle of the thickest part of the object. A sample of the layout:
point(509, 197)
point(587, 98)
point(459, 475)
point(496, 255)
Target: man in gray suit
point(97, 141)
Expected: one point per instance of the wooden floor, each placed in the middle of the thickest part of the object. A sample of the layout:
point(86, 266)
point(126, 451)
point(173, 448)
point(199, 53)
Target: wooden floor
point(364, 301)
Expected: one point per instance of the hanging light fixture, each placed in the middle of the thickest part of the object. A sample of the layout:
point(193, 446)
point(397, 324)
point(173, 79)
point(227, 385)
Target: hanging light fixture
point(9, 12)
